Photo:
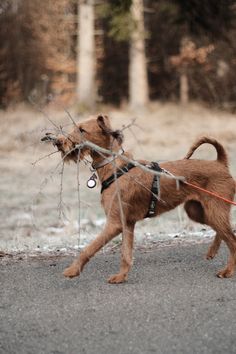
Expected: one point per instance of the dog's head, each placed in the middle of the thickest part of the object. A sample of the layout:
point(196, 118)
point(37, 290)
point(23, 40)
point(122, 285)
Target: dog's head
point(96, 130)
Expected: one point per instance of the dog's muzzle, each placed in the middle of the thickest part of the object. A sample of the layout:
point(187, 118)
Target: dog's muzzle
point(49, 137)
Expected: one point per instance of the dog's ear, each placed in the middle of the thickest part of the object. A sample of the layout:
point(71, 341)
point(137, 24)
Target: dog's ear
point(104, 123)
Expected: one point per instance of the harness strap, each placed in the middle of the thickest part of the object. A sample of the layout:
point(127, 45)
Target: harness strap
point(114, 176)
point(155, 190)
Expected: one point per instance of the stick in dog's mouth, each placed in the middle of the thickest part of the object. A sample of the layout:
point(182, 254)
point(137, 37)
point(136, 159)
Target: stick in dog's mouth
point(71, 154)
point(49, 137)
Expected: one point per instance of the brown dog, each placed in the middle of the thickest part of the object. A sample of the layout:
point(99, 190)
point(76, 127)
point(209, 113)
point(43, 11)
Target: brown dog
point(127, 200)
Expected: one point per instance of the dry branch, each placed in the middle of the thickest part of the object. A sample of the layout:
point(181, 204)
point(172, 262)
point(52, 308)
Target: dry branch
point(43, 157)
point(124, 158)
point(78, 196)
point(61, 204)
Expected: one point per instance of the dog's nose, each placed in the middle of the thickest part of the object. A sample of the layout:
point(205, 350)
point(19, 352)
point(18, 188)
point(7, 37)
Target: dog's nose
point(57, 143)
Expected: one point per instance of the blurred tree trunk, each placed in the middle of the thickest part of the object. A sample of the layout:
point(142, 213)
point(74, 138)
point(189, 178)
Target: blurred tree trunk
point(138, 81)
point(15, 6)
point(184, 87)
point(184, 82)
point(86, 54)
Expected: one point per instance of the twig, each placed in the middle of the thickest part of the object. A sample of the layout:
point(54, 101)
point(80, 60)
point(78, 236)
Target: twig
point(124, 127)
point(44, 113)
point(78, 195)
point(43, 157)
point(50, 177)
point(136, 139)
point(60, 128)
point(122, 215)
point(129, 127)
point(70, 116)
point(61, 203)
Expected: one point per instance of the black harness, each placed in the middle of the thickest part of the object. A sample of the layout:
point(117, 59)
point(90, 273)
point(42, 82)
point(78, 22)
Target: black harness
point(155, 190)
point(119, 173)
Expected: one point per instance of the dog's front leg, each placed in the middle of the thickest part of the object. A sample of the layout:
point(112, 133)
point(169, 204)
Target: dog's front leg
point(126, 256)
point(110, 231)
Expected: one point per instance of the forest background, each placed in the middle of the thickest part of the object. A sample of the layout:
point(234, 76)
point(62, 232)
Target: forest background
point(100, 51)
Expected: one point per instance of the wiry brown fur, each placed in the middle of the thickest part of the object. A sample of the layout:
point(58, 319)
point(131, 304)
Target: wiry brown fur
point(135, 195)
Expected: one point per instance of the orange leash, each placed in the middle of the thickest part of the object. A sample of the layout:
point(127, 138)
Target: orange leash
point(210, 193)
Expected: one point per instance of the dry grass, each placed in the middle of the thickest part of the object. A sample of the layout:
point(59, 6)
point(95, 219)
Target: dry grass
point(167, 130)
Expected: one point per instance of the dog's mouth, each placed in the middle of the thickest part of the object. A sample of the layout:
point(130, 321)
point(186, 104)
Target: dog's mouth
point(66, 146)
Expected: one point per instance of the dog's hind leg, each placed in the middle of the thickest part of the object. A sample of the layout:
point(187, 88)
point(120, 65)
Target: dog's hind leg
point(195, 211)
point(110, 231)
point(214, 247)
point(230, 240)
point(126, 255)
point(218, 217)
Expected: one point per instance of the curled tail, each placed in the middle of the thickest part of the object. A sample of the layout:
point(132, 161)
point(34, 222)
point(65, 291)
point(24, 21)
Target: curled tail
point(221, 153)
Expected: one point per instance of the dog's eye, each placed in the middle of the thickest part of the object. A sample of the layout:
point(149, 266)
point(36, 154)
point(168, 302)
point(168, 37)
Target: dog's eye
point(82, 130)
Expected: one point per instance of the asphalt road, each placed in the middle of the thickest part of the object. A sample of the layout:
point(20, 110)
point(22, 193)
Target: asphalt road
point(172, 303)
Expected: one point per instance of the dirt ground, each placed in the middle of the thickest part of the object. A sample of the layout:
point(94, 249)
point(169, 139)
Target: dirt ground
point(30, 190)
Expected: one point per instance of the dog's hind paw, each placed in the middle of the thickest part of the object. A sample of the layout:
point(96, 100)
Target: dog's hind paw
point(71, 272)
point(117, 278)
point(225, 273)
point(210, 256)
point(211, 253)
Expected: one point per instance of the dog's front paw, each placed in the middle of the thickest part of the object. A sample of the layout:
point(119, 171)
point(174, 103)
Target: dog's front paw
point(71, 272)
point(117, 278)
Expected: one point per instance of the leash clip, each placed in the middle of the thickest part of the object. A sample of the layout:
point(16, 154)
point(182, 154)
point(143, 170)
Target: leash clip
point(91, 183)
